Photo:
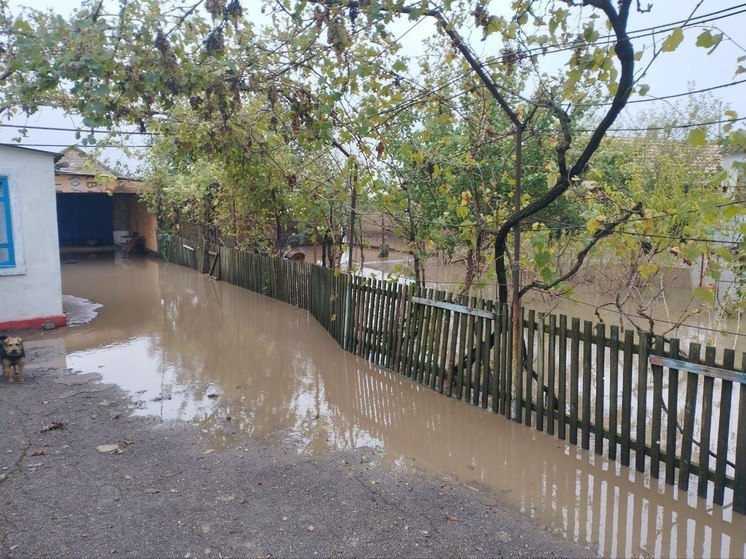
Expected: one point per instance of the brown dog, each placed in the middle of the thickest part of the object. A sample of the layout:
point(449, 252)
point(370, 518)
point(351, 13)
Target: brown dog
point(13, 357)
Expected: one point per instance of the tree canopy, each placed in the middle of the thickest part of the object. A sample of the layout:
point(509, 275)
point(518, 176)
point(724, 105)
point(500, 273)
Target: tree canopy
point(273, 128)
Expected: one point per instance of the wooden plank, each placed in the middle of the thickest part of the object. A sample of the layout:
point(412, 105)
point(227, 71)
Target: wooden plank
point(370, 303)
point(379, 335)
point(451, 363)
point(497, 355)
point(562, 381)
point(433, 371)
point(598, 423)
point(541, 367)
point(613, 390)
point(655, 435)
point(409, 329)
point(574, 379)
point(422, 337)
point(690, 410)
point(706, 425)
point(398, 330)
point(626, 397)
point(721, 460)
point(444, 338)
point(510, 370)
point(469, 366)
point(709, 371)
point(427, 339)
point(528, 399)
point(413, 339)
point(642, 402)
point(739, 491)
point(461, 353)
point(672, 420)
point(477, 369)
point(587, 375)
point(507, 361)
point(551, 366)
point(486, 361)
point(469, 309)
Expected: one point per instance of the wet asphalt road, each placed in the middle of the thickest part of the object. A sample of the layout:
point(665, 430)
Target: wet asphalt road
point(165, 493)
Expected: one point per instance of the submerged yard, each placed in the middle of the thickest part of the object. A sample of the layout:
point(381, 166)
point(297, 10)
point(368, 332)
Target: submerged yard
point(236, 364)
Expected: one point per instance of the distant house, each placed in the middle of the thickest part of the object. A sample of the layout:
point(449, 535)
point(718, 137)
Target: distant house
point(30, 279)
point(97, 209)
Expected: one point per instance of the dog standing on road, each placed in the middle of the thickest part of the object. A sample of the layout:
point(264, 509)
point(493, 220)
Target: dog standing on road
point(13, 358)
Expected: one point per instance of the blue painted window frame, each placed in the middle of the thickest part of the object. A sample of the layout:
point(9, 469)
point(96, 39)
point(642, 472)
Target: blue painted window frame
point(10, 262)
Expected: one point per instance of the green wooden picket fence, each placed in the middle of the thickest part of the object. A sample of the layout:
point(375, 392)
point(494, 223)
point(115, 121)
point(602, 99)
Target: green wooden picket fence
point(631, 397)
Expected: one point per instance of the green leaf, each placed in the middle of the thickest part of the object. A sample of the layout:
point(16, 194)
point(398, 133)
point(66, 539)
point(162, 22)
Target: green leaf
point(543, 259)
point(644, 88)
point(704, 293)
point(698, 137)
point(672, 42)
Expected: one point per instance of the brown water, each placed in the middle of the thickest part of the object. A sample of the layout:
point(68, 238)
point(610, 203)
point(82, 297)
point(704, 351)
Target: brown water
point(676, 314)
point(238, 363)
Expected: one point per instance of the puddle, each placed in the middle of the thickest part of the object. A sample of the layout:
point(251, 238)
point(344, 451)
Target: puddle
point(237, 363)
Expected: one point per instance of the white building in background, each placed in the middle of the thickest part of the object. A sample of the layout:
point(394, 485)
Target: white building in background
point(30, 277)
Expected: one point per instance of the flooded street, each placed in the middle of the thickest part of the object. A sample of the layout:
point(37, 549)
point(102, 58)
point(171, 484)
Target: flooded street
point(237, 363)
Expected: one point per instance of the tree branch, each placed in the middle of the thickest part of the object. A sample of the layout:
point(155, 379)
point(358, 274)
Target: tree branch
point(606, 230)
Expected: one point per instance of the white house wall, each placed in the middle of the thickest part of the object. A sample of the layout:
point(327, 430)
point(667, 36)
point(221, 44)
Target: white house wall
point(31, 292)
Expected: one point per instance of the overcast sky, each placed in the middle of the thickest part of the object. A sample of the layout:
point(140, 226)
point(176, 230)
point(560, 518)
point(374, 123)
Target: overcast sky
point(673, 73)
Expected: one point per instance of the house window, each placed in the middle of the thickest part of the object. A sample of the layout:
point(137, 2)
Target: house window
point(7, 254)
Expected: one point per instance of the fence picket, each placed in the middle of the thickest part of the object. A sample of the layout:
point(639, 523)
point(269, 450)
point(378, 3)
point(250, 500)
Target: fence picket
point(587, 371)
point(671, 423)
point(721, 460)
point(598, 427)
point(551, 365)
point(689, 412)
point(706, 425)
point(642, 407)
point(562, 392)
point(574, 379)
point(541, 366)
point(739, 492)
point(626, 397)
point(529, 397)
point(655, 436)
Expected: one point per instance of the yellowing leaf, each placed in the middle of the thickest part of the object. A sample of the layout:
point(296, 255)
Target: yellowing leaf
point(672, 42)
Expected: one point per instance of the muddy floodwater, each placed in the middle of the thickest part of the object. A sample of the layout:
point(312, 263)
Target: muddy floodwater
point(237, 363)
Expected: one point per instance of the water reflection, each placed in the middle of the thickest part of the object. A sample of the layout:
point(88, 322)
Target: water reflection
point(238, 363)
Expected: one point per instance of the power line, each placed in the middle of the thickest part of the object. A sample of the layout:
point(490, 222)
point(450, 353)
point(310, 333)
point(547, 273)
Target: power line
point(664, 97)
point(636, 34)
point(673, 126)
point(82, 131)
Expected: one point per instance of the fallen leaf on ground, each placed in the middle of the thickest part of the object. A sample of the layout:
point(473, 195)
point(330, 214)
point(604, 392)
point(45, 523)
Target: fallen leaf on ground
point(126, 442)
point(152, 491)
point(213, 395)
point(311, 528)
point(452, 518)
point(52, 426)
point(40, 452)
point(109, 449)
